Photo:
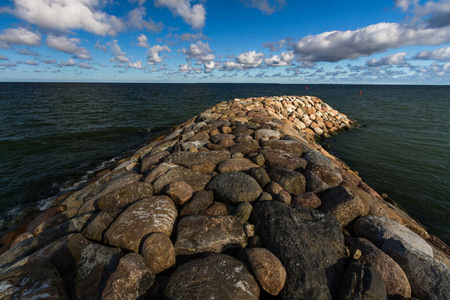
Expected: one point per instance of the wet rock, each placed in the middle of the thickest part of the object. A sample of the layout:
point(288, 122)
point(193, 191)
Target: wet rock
point(260, 175)
point(293, 147)
point(152, 159)
point(343, 204)
point(245, 147)
point(308, 199)
point(379, 229)
point(268, 270)
point(314, 183)
point(195, 179)
point(155, 214)
point(218, 276)
point(189, 159)
point(197, 234)
point(158, 252)
point(395, 280)
point(180, 192)
point(235, 165)
point(309, 244)
point(234, 187)
point(125, 195)
point(198, 204)
point(362, 281)
point(280, 158)
point(96, 229)
point(217, 209)
point(243, 211)
point(291, 181)
point(130, 280)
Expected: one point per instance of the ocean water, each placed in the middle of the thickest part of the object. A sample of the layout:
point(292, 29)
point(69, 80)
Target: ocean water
point(53, 135)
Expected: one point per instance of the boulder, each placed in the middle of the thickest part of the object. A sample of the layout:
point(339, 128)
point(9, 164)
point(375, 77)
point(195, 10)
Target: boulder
point(218, 137)
point(314, 183)
point(197, 234)
point(198, 204)
point(245, 147)
point(266, 134)
point(243, 211)
point(309, 244)
point(260, 175)
point(323, 167)
point(44, 216)
point(189, 159)
point(284, 197)
point(158, 252)
point(234, 187)
point(180, 192)
point(155, 214)
point(125, 195)
point(158, 171)
point(96, 229)
point(268, 270)
point(293, 147)
point(280, 158)
point(218, 276)
point(130, 280)
point(291, 181)
point(152, 159)
point(308, 199)
point(235, 165)
point(195, 179)
point(217, 209)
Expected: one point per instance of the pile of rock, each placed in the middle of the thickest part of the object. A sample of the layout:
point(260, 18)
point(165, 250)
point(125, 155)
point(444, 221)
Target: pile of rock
point(239, 202)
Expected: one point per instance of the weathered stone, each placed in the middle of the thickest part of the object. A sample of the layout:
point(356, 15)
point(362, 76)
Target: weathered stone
point(395, 280)
point(218, 276)
point(280, 158)
point(260, 175)
point(293, 147)
point(266, 196)
point(266, 134)
point(217, 209)
point(130, 280)
point(206, 167)
point(428, 277)
point(291, 181)
point(268, 270)
point(158, 171)
point(95, 230)
point(243, 211)
point(189, 159)
point(217, 138)
point(192, 146)
point(309, 244)
point(125, 195)
point(152, 159)
point(44, 216)
point(198, 204)
point(273, 189)
point(245, 147)
point(343, 204)
point(180, 192)
point(379, 229)
point(314, 183)
point(226, 143)
point(197, 234)
point(202, 135)
point(284, 197)
point(195, 179)
point(235, 165)
point(234, 187)
point(324, 168)
point(155, 214)
point(243, 138)
point(308, 199)
point(22, 237)
point(158, 252)
point(249, 229)
point(362, 281)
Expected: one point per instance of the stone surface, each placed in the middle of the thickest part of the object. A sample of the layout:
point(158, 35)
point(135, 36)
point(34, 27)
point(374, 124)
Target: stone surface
point(195, 179)
point(152, 159)
point(314, 183)
point(266, 133)
point(180, 192)
point(293, 147)
point(130, 280)
point(198, 204)
point(158, 171)
point(284, 197)
point(362, 281)
point(280, 158)
point(158, 252)
point(323, 167)
point(218, 276)
point(234, 187)
point(235, 165)
point(44, 216)
point(217, 209)
point(197, 234)
point(155, 214)
point(343, 204)
point(96, 229)
point(260, 175)
point(125, 195)
point(268, 270)
point(291, 181)
point(309, 244)
point(243, 211)
point(245, 147)
point(308, 199)
point(189, 159)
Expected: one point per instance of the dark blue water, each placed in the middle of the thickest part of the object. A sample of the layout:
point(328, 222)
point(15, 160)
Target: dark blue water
point(53, 134)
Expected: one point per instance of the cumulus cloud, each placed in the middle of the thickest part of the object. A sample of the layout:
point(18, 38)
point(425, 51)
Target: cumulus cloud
point(143, 41)
point(69, 63)
point(189, 37)
point(100, 47)
point(210, 66)
point(390, 60)
point(119, 57)
point(192, 15)
point(404, 4)
point(68, 45)
point(334, 46)
point(436, 14)
point(20, 36)
point(250, 59)
point(441, 54)
point(266, 6)
point(135, 19)
point(84, 65)
point(136, 65)
point(154, 54)
point(50, 61)
point(31, 63)
point(187, 68)
point(275, 46)
point(2, 57)
point(200, 52)
point(285, 59)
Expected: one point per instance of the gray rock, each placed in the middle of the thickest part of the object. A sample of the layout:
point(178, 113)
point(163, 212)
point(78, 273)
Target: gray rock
point(266, 133)
point(96, 229)
point(215, 139)
point(125, 195)
point(152, 159)
point(195, 179)
point(130, 280)
point(234, 187)
point(314, 183)
point(197, 234)
point(156, 214)
point(308, 199)
point(280, 158)
point(158, 252)
point(362, 282)
point(291, 181)
point(309, 244)
point(293, 147)
point(189, 159)
point(245, 147)
point(218, 277)
point(198, 204)
point(235, 165)
point(323, 167)
point(158, 171)
point(260, 176)
point(186, 146)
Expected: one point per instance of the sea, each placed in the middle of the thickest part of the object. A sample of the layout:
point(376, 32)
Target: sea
point(53, 136)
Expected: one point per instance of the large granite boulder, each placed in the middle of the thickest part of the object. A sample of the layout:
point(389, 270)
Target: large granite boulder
point(197, 234)
point(323, 167)
point(198, 204)
point(293, 147)
point(158, 252)
point(280, 158)
point(155, 214)
point(217, 276)
point(234, 187)
point(309, 244)
point(195, 179)
point(235, 165)
point(291, 181)
point(189, 159)
point(125, 195)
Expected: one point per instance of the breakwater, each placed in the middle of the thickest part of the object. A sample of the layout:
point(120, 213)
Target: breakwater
point(239, 202)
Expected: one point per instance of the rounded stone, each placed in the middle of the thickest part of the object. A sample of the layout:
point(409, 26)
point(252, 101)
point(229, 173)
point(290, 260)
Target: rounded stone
point(234, 187)
point(158, 252)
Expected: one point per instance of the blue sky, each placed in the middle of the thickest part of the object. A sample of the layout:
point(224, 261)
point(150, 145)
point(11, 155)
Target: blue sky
point(263, 41)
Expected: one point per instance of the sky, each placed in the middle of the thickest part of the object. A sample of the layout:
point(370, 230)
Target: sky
point(254, 41)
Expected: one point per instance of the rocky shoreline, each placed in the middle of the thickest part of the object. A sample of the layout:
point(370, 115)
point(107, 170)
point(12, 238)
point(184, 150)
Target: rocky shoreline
point(239, 202)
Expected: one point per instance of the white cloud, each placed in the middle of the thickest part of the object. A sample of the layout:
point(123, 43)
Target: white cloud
point(64, 15)
point(69, 63)
point(446, 67)
point(84, 65)
point(334, 46)
point(189, 37)
point(154, 54)
point(143, 41)
point(3, 57)
point(192, 15)
point(436, 14)
point(31, 63)
point(441, 54)
point(390, 60)
point(404, 4)
point(275, 46)
point(266, 6)
point(136, 65)
point(68, 45)
point(250, 59)
point(20, 36)
point(135, 19)
point(285, 59)
point(210, 66)
point(100, 47)
point(119, 57)
point(199, 51)
point(49, 61)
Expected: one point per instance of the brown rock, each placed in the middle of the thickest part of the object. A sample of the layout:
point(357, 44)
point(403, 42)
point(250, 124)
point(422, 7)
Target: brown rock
point(44, 216)
point(180, 192)
point(225, 129)
point(195, 179)
point(268, 270)
point(189, 159)
point(280, 158)
point(217, 209)
point(202, 135)
point(198, 204)
point(274, 189)
point(96, 229)
point(235, 165)
point(158, 252)
point(293, 147)
point(22, 237)
point(245, 147)
point(152, 159)
point(206, 167)
point(243, 211)
point(125, 195)
point(284, 197)
point(160, 170)
point(308, 199)
point(291, 181)
point(226, 143)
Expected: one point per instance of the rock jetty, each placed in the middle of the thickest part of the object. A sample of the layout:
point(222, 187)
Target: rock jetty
point(239, 202)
